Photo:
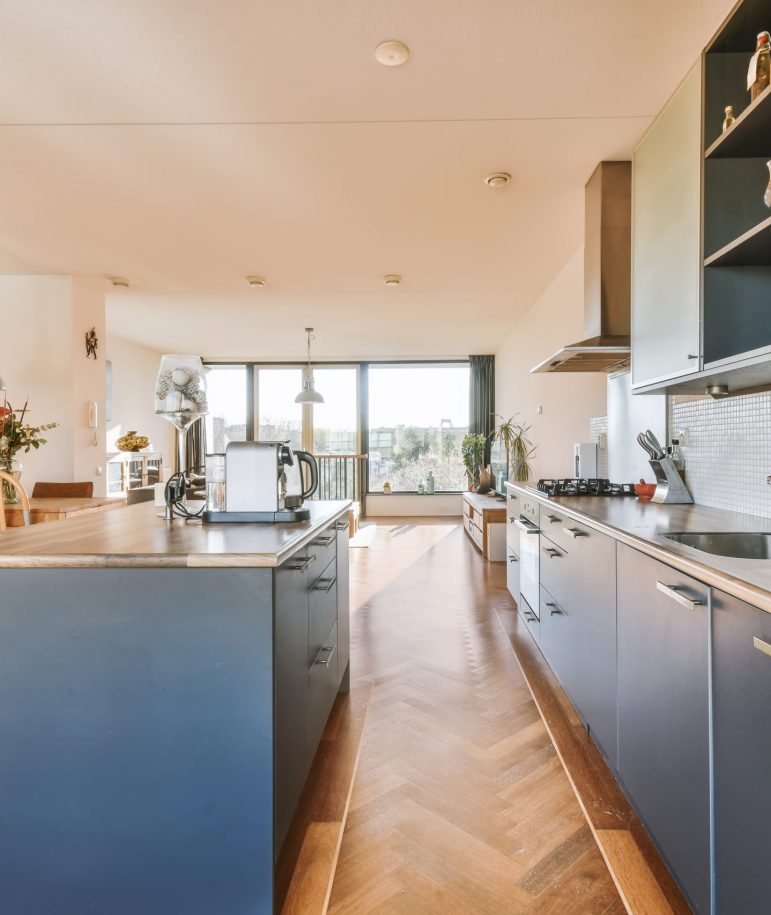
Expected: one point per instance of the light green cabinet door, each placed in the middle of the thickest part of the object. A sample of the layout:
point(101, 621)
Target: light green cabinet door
point(666, 240)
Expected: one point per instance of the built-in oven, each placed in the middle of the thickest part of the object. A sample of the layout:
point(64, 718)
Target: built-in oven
point(529, 551)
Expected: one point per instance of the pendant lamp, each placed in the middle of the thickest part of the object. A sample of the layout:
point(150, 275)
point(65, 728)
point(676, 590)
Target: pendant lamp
point(309, 394)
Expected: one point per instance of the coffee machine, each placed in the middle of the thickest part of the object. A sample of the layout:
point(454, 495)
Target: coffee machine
point(264, 482)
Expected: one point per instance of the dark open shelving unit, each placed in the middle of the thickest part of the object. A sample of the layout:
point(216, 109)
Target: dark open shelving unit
point(736, 288)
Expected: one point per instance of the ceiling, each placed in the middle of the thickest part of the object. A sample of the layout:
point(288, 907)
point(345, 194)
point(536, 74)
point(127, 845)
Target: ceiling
point(188, 143)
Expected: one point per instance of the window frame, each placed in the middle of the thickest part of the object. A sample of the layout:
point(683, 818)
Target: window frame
point(362, 398)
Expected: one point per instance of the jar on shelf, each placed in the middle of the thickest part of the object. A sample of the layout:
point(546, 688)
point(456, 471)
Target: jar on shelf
point(729, 117)
point(759, 70)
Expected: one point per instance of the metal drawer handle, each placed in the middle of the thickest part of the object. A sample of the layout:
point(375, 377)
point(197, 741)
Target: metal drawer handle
point(555, 609)
point(551, 552)
point(552, 519)
point(325, 541)
point(574, 532)
point(302, 563)
point(342, 525)
point(326, 661)
point(676, 596)
point(324, 584)
point(513, 559)
point(526, 527)
point(762, 646)
point(531, 617)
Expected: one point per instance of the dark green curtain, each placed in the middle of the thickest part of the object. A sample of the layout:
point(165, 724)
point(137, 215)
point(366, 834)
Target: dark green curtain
point(482, 398)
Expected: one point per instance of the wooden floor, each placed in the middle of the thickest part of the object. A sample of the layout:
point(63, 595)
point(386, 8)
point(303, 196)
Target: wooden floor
point(460, 803)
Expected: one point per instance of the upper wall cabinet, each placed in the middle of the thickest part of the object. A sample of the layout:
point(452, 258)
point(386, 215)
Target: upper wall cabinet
point(666, 241)
point(712, 264)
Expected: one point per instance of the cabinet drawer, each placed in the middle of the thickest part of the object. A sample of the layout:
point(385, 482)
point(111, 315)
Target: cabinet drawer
point(324, 548)
point(476, 536)
point(512, 573)
point(531, 619)
point(476, 517)
point(512, 533)
point(322, 687)
point(554, 571)
point(322, 609)
point(558, 640)
point(563, 530)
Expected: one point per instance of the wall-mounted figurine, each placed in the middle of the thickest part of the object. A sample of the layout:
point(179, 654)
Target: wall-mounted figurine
point(91, 343)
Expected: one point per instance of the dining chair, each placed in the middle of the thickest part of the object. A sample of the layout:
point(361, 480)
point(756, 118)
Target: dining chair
point(63, 490)
point(24, 498)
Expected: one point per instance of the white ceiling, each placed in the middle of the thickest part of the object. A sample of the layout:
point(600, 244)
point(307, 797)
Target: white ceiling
point(187, 143)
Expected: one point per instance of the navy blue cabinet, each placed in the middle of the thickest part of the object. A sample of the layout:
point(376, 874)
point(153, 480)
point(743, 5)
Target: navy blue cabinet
point(663, 713)
point(742, 749)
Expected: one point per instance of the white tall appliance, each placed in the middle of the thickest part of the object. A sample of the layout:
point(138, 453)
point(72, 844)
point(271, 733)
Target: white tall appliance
point(585, 460)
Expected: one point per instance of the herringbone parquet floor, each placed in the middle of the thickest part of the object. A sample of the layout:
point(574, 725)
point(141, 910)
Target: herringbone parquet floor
point(460, 804)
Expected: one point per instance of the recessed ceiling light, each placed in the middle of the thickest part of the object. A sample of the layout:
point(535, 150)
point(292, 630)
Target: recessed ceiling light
point(120, 282)
point(392, 279)
point(255, 280)
point(498, 179)
point(392, 53)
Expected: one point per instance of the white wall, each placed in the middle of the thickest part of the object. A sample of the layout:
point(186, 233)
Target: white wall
point(134, 368)
point(568, 400)
point(43, 321)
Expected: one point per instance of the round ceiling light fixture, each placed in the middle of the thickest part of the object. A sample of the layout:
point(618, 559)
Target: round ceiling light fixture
point(392, 53)
point(392, 279)
point(257, 281)
point(120, 282)
point(497, 179)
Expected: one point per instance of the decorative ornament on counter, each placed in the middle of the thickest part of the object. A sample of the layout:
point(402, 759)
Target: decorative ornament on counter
point(92, 342)
point(132, 442)
point(729, 117)
point(759, 70)
point(180, 390)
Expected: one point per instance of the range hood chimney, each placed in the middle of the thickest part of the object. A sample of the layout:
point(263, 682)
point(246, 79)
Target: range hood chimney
point(607, 276)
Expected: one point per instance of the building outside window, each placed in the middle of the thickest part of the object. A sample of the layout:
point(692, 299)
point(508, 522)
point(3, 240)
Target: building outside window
point(418, 415)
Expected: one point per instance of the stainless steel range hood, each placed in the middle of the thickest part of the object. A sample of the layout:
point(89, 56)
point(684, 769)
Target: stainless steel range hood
point(607, 277)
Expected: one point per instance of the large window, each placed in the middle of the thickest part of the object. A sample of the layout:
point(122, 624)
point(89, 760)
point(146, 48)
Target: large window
point(226, 421)
point(280, 419)
point(418, 415)
point(336, 421)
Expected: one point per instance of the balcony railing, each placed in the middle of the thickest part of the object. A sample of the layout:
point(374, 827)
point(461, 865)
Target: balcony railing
point(341, 476)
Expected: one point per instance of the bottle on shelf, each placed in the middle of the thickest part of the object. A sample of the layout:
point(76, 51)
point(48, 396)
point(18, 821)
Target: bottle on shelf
point(430, 483)
point(677, 457)
point(759, 71)
point(729, 117)
point(421, 488)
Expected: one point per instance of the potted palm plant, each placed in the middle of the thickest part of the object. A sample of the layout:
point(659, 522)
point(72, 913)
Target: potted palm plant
point(519, 449)
point(472, 449)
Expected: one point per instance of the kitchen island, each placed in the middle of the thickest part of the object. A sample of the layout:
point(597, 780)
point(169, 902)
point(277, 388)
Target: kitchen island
point(163, 689)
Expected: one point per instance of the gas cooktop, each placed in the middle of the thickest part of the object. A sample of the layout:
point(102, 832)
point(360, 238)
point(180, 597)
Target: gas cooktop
point(584, 488)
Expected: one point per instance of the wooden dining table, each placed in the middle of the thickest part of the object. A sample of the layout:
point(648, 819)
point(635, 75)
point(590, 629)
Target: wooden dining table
point(55, 509)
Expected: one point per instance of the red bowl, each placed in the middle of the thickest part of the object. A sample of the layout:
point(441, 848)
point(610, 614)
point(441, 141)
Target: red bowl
point(644, 491)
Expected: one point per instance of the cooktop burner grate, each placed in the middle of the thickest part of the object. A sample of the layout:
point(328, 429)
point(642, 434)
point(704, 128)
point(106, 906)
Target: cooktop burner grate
point(574, 487)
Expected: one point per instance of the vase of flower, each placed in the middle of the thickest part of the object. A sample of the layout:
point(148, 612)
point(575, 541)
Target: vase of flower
point(10, 492)
point(16, 435)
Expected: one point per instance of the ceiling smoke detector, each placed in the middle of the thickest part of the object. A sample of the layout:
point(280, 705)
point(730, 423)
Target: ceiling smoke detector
point(498, 179)
point(120, 282)
point(392, 53)
point(258, 281)
point(392, 279)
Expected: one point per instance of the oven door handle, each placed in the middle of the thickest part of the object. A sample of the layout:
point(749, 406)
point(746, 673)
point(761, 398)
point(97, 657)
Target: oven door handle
point(526, 527)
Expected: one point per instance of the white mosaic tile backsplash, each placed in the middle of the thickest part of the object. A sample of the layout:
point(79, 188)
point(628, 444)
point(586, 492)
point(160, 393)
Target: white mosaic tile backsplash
point(728, 450)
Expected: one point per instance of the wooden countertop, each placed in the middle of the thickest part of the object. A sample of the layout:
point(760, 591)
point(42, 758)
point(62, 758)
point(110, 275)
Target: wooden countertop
point(643, 525)
point(486, 502)
point(137, 538)
point(51, 509)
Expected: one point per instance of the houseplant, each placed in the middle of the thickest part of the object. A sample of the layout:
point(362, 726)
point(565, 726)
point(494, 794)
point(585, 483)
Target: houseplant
point(519, 449)
point(472, 449)
point(16, 436)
